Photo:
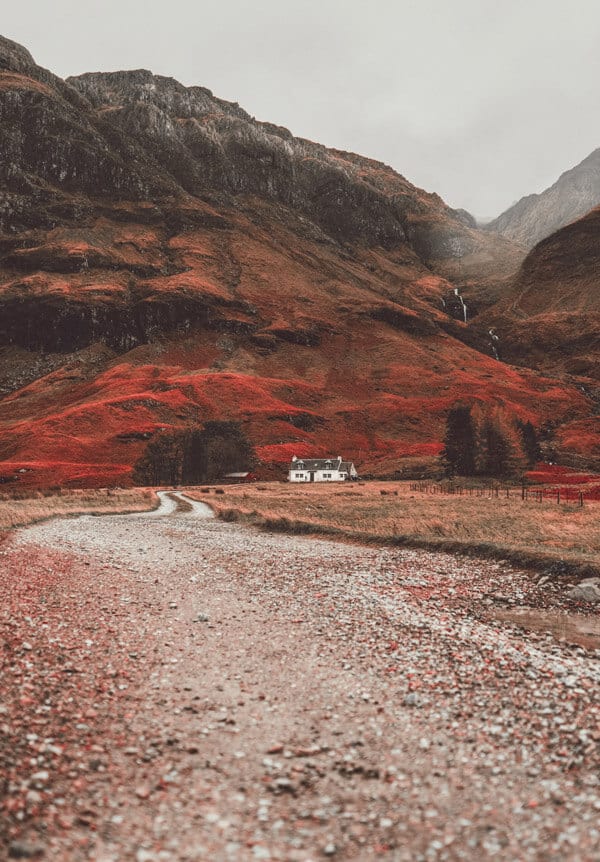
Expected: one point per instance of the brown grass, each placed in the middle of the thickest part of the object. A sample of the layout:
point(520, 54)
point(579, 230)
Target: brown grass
point(565, 538)
point(38, 507)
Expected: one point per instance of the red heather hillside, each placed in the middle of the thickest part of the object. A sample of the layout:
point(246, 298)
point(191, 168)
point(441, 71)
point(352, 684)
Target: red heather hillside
point(377, 414)
point(550, 316)
point(166, 260)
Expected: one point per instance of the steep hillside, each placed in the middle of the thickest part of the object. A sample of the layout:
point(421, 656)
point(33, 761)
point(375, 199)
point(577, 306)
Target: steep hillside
point(535, 217)
point(167, 260)
point(550, 318)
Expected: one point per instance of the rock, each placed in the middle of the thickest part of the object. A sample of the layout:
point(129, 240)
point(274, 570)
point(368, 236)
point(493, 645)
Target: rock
point(25, 850)
point(40, 777)
point(586, 591)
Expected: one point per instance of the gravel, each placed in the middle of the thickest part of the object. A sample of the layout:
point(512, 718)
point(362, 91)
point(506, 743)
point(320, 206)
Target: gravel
point(178, 688)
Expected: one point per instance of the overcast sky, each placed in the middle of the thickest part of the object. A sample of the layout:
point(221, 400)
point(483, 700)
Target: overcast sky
point(480, 101)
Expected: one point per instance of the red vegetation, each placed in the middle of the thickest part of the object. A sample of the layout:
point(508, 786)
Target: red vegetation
point(565, 481)
point(360, 387)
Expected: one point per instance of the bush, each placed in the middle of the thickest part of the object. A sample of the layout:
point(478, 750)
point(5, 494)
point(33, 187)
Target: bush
point(230, 515)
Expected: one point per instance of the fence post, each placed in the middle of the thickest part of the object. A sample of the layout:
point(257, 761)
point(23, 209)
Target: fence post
point(558, 496)
point(581, 498)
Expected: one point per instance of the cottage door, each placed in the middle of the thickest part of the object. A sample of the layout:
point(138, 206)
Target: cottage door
point(312, 476)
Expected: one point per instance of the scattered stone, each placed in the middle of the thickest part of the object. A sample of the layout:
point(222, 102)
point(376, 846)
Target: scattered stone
point(24, 850)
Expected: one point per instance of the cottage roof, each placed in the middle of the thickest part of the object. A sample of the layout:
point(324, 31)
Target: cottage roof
point(320, 464)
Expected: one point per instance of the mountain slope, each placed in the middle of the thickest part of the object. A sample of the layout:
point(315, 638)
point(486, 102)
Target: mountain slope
point(166, 260)
point(535, 217)
point(550, 318)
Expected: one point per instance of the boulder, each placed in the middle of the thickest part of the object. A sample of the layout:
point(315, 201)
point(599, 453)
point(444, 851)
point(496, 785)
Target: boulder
point(586, 591)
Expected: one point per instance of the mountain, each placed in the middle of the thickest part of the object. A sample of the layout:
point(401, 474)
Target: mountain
point(535, 217)
point(166, 260)
point(550, 320)
point(550, 317)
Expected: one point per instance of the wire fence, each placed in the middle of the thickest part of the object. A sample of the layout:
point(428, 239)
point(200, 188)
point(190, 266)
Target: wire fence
point(571, 496)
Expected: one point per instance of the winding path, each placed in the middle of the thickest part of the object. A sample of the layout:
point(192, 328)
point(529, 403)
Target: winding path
point(168, 506)
point(187, 689)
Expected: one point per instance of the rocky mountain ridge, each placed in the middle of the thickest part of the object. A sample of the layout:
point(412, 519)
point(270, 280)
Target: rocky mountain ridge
point(537, 216)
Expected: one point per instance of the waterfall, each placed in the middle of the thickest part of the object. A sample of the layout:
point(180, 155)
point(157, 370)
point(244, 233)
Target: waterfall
point(455, 305)
point(494, 342)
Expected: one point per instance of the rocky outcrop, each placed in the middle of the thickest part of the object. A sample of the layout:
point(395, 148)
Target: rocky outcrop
point(535, 217)
point(208, 144)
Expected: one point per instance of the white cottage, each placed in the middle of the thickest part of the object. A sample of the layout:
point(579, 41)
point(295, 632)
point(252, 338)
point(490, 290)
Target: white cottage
point(321, 470)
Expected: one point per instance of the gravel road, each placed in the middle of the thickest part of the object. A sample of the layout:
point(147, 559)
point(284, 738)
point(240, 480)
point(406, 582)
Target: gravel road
point(179, 688)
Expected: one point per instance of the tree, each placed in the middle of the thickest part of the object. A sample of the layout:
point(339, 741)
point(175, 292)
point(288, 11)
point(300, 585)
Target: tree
point(531, 443)
point(191, 456)
point(459, 441)
point(482, 441)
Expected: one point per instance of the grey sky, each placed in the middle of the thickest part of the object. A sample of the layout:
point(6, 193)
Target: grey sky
point(479, 101)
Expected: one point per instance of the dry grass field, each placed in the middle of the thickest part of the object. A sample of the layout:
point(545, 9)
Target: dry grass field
point(565, 537)
point(20, 511)
point(525, 532)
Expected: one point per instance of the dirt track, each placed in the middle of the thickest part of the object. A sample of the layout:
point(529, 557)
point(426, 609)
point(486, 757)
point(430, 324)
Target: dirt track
point(176, 688)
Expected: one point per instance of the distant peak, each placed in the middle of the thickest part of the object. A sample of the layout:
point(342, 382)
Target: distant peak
point(14, 57)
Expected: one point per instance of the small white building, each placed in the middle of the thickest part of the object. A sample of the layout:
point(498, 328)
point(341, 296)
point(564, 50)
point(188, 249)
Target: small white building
point(321, 470)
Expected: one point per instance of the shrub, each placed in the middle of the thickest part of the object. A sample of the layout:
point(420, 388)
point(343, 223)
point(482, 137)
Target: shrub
point(230, 515)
